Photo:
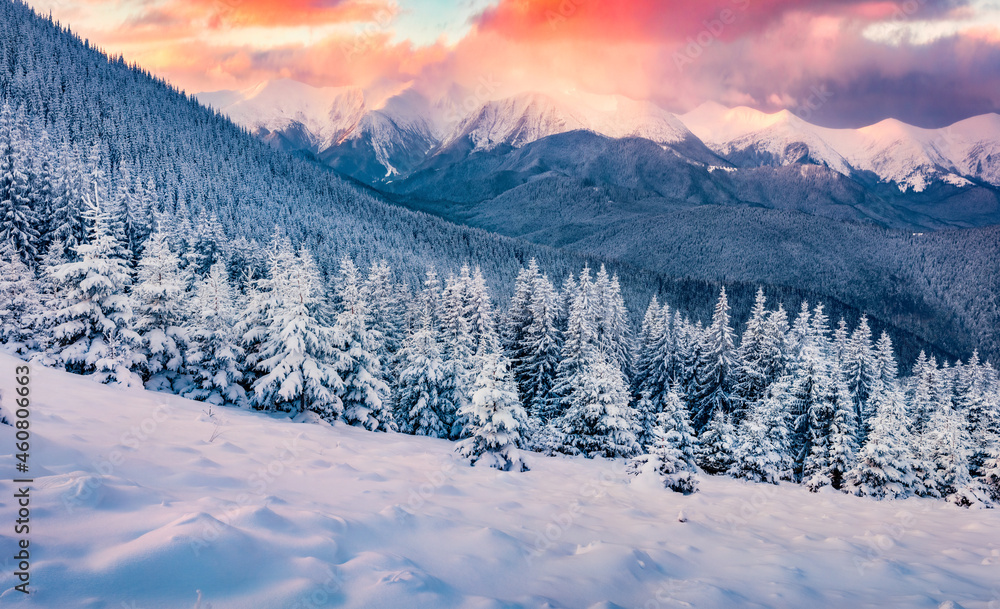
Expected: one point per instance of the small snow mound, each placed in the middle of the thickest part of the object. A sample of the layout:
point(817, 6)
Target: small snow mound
point(605, 605)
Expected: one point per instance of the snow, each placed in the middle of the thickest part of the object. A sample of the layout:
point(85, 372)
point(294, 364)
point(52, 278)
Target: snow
point(328, 114)
point(134, 504)
point(911, 157)
point(908, 156)
point(524, 118)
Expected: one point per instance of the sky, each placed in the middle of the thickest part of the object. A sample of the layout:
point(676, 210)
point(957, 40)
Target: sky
point(839, 63)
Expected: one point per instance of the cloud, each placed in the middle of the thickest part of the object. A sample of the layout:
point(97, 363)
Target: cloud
point(846, 62)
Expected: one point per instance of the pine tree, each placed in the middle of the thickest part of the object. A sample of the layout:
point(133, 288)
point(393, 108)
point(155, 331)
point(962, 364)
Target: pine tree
point(541, 351)
point(671, 451)
point(885, 467)
point(91, 328)
point(611, 321)
point(422, 406)
point(496, 420)
point(365, 393)
point(216, 358)
point(298, 346)
point(714, 383)
point(579, 344)
point(386, 312)
point(598, 419)
point(458, 350)
point(20, 303)
point(162, 316)
point(922, 403)
point(833, 429)
point(763, 451)
point(947, 446)
point(760, 356)
point(532, 340)
point(716, 444)
point(17, 218)
point(859, 370)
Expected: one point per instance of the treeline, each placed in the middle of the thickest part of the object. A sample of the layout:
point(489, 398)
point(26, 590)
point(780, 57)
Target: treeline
point(175, 306)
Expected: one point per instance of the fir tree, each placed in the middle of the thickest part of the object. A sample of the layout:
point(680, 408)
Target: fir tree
point(598, 419)
point(162, 315)
point(365, 393)
point(763, 452)
point(298, 346)
point(17, 218)
point(714, 381)
point(671, 451)
point(496, 420)
point(215, 358)
point(859, 370)
point(422, 406)
point(716, 444)
point(833, 431)
point(20, 303)
point(91, 328)
point(885, 467)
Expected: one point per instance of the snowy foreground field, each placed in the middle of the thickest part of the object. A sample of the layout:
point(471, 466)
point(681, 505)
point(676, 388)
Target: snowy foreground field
point(141, 500)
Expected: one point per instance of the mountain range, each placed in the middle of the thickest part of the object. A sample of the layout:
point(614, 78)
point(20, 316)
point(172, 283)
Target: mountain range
point(897, 175)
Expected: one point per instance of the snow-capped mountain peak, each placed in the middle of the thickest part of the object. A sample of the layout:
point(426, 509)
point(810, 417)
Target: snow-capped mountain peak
point(323, 116)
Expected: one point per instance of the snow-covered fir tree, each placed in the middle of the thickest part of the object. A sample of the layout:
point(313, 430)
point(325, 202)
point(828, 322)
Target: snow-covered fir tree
point(754, 358)
point(91, 328)
point(579, 343)
point(598, 420)
point(533, 341)
point(885, 467)
point(858, 363)
point(297, 348)
point(496, 421)
point(670, 454)
point(18, 220)
point(20, 303)
point(763, 451)
point(215, 359)
point(611, 320)
point(833, 428)
point(162, 308)
point(365, 393)
point(458, 349)
point(422, 399)
point(715, 371)
point(716, 444)
point(921, 400)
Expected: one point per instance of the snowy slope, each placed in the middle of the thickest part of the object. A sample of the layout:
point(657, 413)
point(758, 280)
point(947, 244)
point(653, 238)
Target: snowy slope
point(908, 156)
point(751, 138)
point(323, 115)
point(521, 119)
point(142, 499)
